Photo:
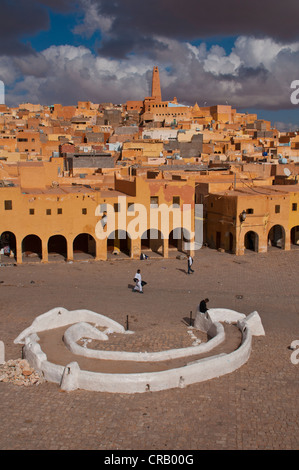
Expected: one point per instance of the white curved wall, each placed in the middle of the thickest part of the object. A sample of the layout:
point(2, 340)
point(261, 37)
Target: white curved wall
point(58, 317)
point(195, 372)
point(72, 378)
point(216, 331)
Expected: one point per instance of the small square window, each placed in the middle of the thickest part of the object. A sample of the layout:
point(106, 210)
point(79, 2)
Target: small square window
point(176, 200)
point(84, 211)
point(48, 211)
point(277, 209)
point(294, 206)
point(249, 211)
point(154, 201)
point(8, 205)
point(59, 211)
point(31, 211)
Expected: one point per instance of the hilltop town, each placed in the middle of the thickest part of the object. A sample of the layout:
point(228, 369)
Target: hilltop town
point(62, 167)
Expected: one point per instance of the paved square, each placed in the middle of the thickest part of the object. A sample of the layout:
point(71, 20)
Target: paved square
point(255, 407)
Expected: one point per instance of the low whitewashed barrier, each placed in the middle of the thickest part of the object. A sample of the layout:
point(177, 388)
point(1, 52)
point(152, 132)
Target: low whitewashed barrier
point(71, 377)
point(59, 317)
point(215, 331)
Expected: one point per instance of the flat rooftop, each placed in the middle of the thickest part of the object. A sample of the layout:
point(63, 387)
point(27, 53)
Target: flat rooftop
point(277, 190)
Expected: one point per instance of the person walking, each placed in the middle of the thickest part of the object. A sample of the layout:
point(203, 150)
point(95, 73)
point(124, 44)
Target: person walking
point(190, 263)
point(138, 280)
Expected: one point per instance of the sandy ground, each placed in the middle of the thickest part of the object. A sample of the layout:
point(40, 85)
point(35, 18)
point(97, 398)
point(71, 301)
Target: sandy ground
point(52, 345)
point(254, 407)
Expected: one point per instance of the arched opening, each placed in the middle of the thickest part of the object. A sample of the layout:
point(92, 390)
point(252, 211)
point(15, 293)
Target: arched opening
point(152, 241)
point(32, 248)
point(175, 239)
point(179, 239)
point(8, 246)
point(84, 247)
point(295, 237)
point(276, 237)
point(251, 241)
point(57, 248)
point(119, 243)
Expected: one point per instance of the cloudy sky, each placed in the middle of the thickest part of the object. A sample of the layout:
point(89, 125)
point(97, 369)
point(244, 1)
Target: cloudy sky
point(242, 53)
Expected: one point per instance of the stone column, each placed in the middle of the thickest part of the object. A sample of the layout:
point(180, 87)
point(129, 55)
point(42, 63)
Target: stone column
point(19, 250)
point(135, 248)
point(44, 251)
point(101, 249)
point(165, 247)
point(70, 252)
point(263, 243)
point(287, 243)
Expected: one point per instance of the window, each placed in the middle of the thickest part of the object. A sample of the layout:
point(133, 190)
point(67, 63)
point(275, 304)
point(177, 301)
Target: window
point(8, 205)
point(176, 200)
point(48, 211)
point(31, 211)
point(249, 211)
point(59, 211)
point(154, 201)
point(294, 206)
point(277, 209)
point(116, 207)
point(84, 211)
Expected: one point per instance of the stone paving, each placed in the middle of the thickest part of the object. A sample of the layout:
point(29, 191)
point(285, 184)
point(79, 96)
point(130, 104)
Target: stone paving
point(255, 407)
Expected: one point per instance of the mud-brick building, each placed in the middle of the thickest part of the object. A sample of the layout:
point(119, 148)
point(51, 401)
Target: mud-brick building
point(256, 219)
point(44, 214)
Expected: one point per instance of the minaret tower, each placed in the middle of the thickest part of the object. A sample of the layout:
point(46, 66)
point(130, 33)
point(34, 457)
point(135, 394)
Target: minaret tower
point(156, 88)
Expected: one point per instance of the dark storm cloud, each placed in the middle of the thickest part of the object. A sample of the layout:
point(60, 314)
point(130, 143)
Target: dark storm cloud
point(24, 18)
point(195, 19)
point(256, 72)
point(118, 49)
point(60, 5)
point(19, 18)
